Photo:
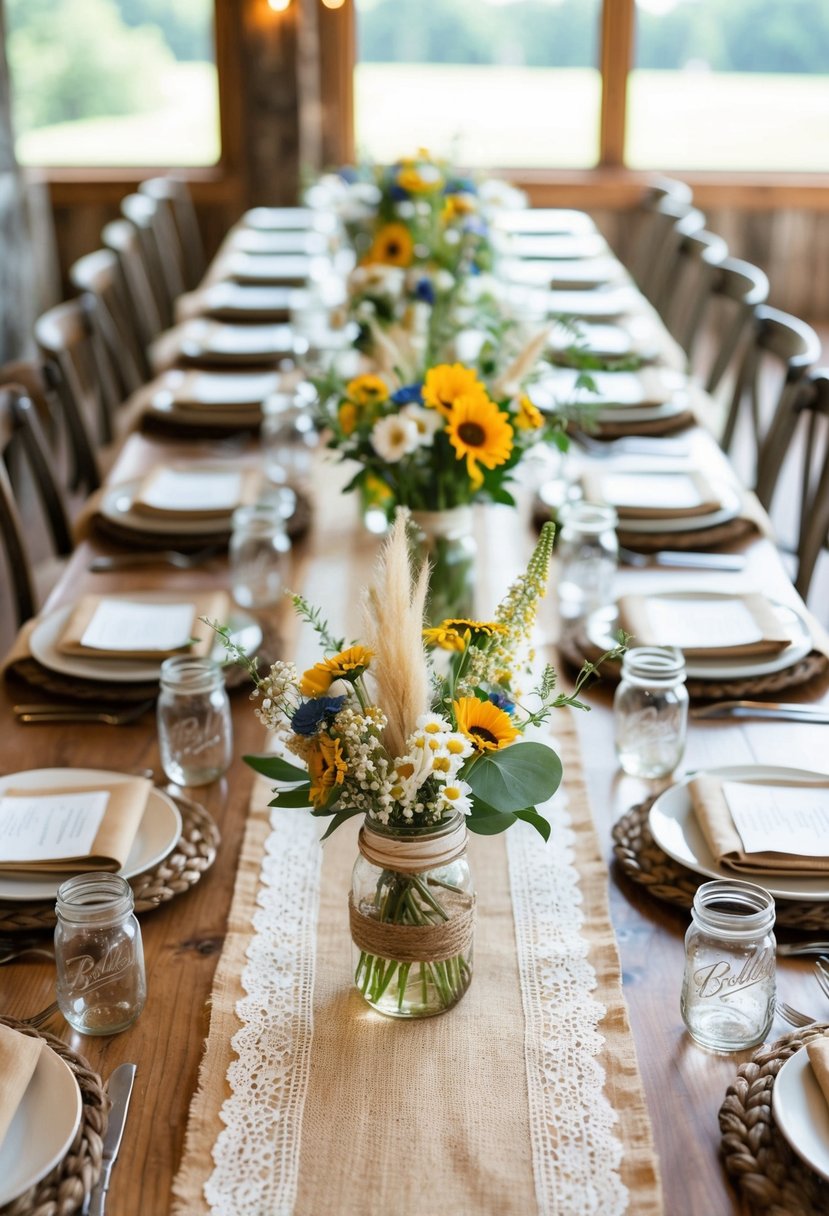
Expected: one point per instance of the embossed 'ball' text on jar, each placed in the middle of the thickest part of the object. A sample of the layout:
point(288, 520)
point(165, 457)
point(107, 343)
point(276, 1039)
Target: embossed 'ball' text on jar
point(728, 990)
point(412, 913)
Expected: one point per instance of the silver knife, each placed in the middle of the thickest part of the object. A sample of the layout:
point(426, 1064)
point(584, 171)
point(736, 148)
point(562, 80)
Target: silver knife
point(119, 1089)
point(778, 710)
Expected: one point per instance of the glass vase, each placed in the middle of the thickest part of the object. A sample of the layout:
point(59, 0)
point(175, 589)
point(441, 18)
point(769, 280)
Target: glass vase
point(446, 541)
point(412, 927)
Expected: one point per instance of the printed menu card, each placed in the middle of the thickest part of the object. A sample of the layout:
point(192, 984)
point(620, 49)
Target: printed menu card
point(205, 493)
point(118, 627)
point(716, 628)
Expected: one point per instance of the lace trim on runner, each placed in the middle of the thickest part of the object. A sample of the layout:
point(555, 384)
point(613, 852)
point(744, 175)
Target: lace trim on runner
point(576, 1155)
point(256, 1156)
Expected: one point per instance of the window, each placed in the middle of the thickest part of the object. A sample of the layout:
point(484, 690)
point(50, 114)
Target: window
point(489, 82)
point(740, 85)
point(114, 82)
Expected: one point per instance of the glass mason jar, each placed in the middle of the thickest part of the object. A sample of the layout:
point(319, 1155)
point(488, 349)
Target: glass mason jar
point(412, 910)
point(101, 987)
point(588, 554)
point(289, 439)
point(259, 548)
point(195, 732)
point(651, 711)
point(445, 539)
point(728, 991)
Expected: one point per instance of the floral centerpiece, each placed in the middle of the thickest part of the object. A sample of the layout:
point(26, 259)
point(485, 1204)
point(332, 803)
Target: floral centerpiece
point(422, 754)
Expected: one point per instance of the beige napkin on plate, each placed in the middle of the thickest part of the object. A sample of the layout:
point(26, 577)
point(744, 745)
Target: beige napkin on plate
point(19, 1054)
point(747, 623)
point(818, 1050)
point(714, 817)
point(147, 502)
point(215, 605)
point(652, 495)
point(125, 809)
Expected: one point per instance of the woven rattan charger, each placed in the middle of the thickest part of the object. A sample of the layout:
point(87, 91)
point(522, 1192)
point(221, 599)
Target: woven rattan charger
point(193, 853)
point(768, 1174)
point(66, 1186)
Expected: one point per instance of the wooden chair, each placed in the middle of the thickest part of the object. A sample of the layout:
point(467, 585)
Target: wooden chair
point(672, 222)
point(690, 285)
point(781, 350)
point(647, 223)
point(158, 241)
point(123, 239)
point(797, 445)
point(737, 290)
point(173, 194)
point(22, 443)
point(78, 369)
point(99, 278)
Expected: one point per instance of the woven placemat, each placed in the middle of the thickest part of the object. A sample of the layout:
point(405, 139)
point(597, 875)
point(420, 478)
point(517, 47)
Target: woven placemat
point(114, 696)
point(575, 648)
point(297, 526)
point(644, 862)
point(770, 1177)
point(731, 532)
point(657, 426)
point(66, 1186)
point(193, 854)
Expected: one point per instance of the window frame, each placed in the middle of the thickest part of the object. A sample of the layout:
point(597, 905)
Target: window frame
point(610, 183)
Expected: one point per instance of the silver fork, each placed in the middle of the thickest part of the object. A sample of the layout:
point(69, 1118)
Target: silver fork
point(81, 713)
point(37, 1019)
point(167, 557)
point(793, 1016)
point(822, 974)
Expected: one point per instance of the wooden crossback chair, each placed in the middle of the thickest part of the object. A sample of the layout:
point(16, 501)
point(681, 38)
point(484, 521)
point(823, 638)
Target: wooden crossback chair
point(99, 278)
point(123, 239)
point(672, 223)
point(648, 223)
point(737, 289)
point(22, 442)
point(160, 249)
point(688, 288)
point(801, 431)
point(174, 195)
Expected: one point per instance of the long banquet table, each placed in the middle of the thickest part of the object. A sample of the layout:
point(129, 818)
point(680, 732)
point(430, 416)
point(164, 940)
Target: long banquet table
point(684, 1085)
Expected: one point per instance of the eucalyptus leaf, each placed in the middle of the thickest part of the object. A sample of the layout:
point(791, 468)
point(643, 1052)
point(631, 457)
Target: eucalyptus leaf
point(485, 821)
point(298, 796)
point(531, 815)
point(276, 768)
point(340, 818)
point(515, 777)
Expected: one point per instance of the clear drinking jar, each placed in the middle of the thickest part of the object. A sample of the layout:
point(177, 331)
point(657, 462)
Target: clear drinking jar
point(445, 539)
point(195, 732)
point(651, 711)
point(394, 899)
point(259, 548)
point(588, 555)
point(728, 991)
point(101, 986)
point(289, 439)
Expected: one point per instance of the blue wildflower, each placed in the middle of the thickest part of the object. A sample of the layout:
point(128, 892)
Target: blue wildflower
point(311, 714)
point(460, 185)
point(397, 193)
point(409, 394)
point(502, 701)
point(425, 291)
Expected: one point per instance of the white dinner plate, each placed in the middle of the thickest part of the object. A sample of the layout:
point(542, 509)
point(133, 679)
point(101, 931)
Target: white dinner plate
point(45, 636)
point(674, 827)
point(117, 506)
point(593, 305)
point(43, 1126)
point(620, 414)
point(157, 833)
point(801, 1111)
point(241, 417)
point(602, 626)
point(731, 503)
point(223, 342)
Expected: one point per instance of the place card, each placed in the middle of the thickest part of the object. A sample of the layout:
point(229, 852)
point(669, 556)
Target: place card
point(191, 491)
point(764, 826)
point(716, 628)
point(652, 494)
point(106, 627)
point(73, 829)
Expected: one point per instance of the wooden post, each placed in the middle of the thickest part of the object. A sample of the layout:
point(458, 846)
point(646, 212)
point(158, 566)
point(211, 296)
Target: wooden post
point(616, 60)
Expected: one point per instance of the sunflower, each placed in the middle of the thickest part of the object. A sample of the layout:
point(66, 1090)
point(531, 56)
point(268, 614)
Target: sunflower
point(446, 639)
point(487, 727)
point(482, 628)
point(367, 390)
point(447, 382)
point(423, 180)
point(326, 768)
point(479, 431)
point(393, 246)
point(347, 665)
point(529, 416)
point(347, 417)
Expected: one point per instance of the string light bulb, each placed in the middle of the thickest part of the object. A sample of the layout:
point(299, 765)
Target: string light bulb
point(279, 6)
point(333, 3)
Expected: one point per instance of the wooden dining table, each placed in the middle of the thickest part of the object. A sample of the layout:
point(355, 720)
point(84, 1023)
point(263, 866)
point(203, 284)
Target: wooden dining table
point(684, 1084)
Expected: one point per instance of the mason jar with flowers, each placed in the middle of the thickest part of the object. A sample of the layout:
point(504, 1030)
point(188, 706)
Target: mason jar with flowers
point(423, 755)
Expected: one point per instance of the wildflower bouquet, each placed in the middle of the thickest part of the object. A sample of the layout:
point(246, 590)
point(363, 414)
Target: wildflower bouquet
point(421, 755)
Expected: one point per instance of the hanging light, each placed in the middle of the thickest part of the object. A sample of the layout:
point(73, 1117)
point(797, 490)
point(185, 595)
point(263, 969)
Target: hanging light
point(333, 3)
point(279, 6)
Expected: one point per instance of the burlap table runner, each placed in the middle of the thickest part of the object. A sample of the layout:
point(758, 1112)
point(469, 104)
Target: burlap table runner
point(435, 1115)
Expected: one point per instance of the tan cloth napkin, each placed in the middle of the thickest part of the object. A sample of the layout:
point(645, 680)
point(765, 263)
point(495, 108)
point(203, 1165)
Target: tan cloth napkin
point(122, 818)
point(599, 486)
point(249, 487)
point(818, 1050)
point(717, 825)
point(635, 616)
point(214, 605)
point(19, 1054)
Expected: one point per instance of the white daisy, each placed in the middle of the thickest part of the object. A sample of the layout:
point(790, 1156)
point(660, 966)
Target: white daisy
point(428, 422)
point(394, 437)
point(456, 797)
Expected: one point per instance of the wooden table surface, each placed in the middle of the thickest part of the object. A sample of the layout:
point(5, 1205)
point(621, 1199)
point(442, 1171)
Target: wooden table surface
point(685, 1084)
